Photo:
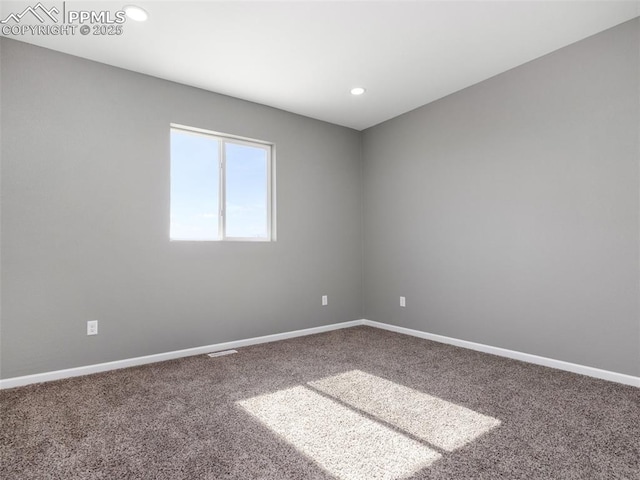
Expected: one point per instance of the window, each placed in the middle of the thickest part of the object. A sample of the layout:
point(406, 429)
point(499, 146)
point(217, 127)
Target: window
point(221, 187)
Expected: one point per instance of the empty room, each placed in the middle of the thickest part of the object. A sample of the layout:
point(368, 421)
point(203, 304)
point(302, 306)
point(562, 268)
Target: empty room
point(329, 240)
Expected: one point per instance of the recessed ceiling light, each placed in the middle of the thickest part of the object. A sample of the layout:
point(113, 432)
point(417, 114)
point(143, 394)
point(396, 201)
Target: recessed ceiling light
point(136, 13)
point(357, 91)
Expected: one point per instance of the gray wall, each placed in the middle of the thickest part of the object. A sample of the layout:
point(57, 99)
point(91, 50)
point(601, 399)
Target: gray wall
point(85, 219)
point(507, 213)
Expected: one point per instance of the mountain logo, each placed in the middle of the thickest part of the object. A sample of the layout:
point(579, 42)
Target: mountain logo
point(38, 11)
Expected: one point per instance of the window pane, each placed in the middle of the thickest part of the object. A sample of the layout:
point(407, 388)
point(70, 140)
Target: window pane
point(194, 186)
point(246, 191)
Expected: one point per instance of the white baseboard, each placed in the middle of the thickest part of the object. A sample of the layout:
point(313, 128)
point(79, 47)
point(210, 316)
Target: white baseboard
point(503, 352)
point(160, 357)
point(132, 362)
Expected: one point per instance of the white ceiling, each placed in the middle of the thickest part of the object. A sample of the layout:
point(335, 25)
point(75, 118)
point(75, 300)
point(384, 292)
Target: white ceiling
point(305, 56)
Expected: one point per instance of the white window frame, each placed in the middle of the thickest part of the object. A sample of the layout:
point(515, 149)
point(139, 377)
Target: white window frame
point(224, 138)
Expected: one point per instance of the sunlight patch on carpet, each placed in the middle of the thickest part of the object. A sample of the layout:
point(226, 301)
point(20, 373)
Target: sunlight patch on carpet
point(436, 421)
point(343, 442)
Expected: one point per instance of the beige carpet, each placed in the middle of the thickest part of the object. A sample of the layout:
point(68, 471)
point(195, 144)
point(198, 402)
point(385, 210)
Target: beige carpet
point(352, 404)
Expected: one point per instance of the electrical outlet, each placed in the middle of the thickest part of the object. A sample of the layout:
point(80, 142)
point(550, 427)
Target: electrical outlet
point(403, 302)
point(325, 300)
point(92, 327)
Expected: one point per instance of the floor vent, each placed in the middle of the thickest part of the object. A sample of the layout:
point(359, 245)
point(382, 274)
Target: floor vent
point(222, 353)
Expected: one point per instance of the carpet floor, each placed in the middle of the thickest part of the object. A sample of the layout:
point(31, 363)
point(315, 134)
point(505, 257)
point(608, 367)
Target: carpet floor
point(359, 403)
